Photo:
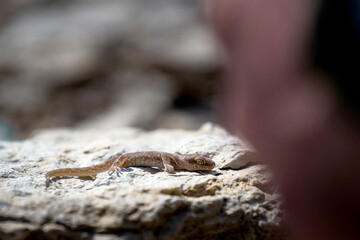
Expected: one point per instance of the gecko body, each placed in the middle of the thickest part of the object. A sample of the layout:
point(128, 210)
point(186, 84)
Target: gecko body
point(167, 161)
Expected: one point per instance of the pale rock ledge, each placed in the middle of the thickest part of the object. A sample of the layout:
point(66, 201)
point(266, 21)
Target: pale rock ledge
point(235, 201)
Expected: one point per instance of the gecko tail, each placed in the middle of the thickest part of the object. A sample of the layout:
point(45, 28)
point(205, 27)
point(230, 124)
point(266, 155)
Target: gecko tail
point(81, 171)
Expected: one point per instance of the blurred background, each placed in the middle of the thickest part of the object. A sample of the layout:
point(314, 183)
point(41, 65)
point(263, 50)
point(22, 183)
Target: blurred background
point(105, 64)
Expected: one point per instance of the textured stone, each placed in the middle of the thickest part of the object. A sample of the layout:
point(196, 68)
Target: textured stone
point(142, 203)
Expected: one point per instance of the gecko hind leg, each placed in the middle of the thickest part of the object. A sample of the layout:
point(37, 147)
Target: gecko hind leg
point(116, 166)
point(115, 169)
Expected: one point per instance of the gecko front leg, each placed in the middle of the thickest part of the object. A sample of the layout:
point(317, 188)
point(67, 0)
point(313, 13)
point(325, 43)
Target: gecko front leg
point(166, 159)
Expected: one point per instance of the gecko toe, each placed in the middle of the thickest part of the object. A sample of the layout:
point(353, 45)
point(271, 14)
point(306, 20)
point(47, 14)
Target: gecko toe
point(118, 171)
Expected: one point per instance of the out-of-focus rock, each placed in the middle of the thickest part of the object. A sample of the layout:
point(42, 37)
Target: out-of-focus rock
point(140, 101)
point(62, 61)
point(142, 203)
point(63, 39)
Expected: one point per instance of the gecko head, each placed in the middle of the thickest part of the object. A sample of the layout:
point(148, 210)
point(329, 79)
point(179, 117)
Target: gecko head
point(199, 161)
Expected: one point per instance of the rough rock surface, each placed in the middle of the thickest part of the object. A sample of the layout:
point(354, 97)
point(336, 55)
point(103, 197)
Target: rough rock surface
point(143, 203)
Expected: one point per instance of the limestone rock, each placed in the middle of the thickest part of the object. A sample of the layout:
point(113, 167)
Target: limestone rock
point(142, 203)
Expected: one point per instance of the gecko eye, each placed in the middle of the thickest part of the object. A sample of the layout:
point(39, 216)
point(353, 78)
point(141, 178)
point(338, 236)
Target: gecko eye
point(200, 160)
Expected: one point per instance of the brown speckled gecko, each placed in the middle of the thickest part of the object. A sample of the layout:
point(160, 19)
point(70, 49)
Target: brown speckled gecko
point(168, 161)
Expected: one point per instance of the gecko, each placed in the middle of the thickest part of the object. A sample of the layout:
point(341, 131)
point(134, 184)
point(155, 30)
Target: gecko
point(167, 161)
